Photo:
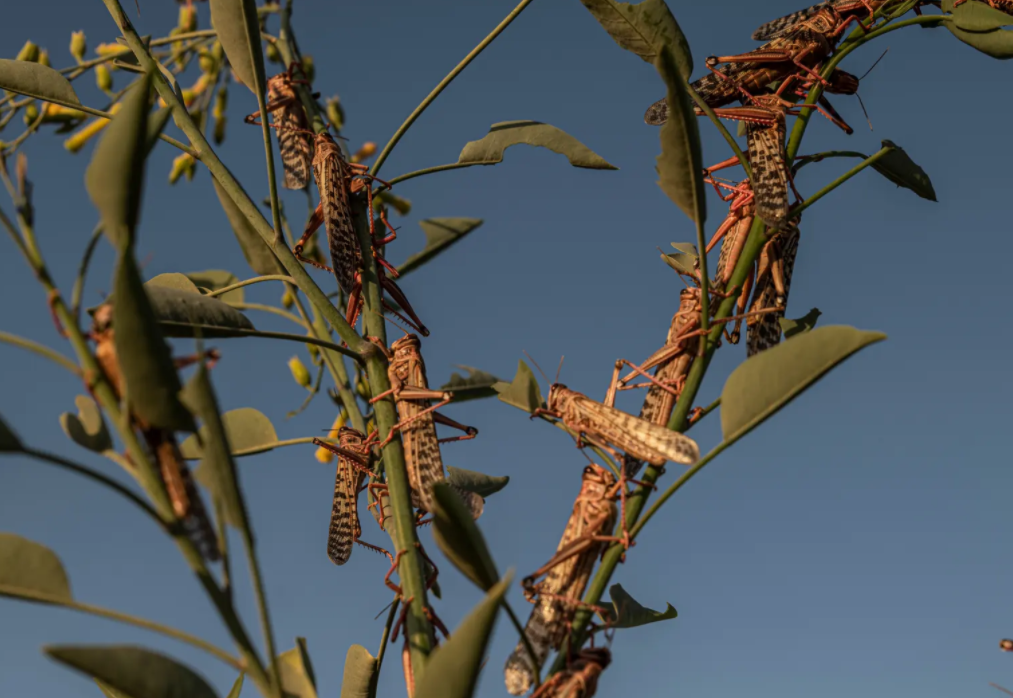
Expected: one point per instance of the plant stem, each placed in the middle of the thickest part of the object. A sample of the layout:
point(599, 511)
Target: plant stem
point(270, 309)
point(385, 153)
point(804, 160)
point(41, 350)
point(871, 160)
point(262, 611)
point(78, 290)
point(428, 170)
point(248, 282)
point(391, 615)
point(526, 640)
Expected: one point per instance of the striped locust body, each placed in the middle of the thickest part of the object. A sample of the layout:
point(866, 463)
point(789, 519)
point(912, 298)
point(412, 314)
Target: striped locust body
point(566, 575)
point(846, 8)
point(1001, 5)
point(289, 119)
point(637, 437)
point(777, 261)
point(353, 458)
point(580, 678)
point(418, 418)
point(187, 504)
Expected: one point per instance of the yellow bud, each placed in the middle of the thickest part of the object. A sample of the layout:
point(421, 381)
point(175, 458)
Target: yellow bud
point(110, 49)
point(77, 141)
point(273, 54)
point(368, 149)
point(221, 101)
point(219, 132)
point(189, 97)
point(299, 372)
point(184, 164)
point(287, 299)
point(335, 114)
point(217, 52)
point(314, 351)
point(103, 78)
point(54, 113)
point(200, 84)
point(44, 58)
point(362, 388)
point(187, 18)
point(78, 45)
point(308, 68)
point(29, 52)
point(31, 114)
point(323, 455)
point(207, 62)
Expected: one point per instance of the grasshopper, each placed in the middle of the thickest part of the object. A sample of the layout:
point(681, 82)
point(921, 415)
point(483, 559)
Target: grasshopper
point(580, 679)
point(290, 121)
point(566, 575)
point(784, 25)
point(184, 496)
point(1002, 5)
point(418, 418)
point(772, 289)
point(353, 458)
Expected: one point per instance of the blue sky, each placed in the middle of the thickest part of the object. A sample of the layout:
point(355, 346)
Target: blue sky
point(854, 544)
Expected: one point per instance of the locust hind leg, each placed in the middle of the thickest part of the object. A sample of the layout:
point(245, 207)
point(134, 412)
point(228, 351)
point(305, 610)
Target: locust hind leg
point(314, 223)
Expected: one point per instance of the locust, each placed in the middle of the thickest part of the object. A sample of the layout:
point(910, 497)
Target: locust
point(1002, 5)
point(580, 679)
point(764, 331)
point(184, 496)
point(784, 25)
point(353, 458)
point(418, 418)
point(289, 119)
point(566, 575)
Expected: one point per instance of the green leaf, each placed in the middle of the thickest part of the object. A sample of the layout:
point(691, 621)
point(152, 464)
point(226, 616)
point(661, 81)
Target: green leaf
point(768, 381)
point(360, 673)
point(481, 484)
point(150, 376)
point(478, 384)
point(684, 261)
point(109, 691)
point(453, 668)
point(217, 470)
point(803, 324)
point(441, 233)
point(643, 29)
point(178, 312)
point(976, 16)
point(489, 150)
point(214, 279)
point(134, 671)
point(87, 428)
point(900, 169)
point(239, 31)
point(258, 255)
point(9, 441)
point(29, 568)
point(523, 392)
point(35, 80)
point(460, 539)
point(237, 687)
point(296, 675)
point(997, 44)
point(680, 165)
point(156, 124)
point(246, 429)
point(180, 282)
point(115, 176)
point(626, 612)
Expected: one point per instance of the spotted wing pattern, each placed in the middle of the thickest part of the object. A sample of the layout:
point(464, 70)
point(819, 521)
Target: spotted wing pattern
point(784, 25)
point(296, 148)
point(345, 527)
point(770, 175)
point(765, 331)
point(331, 175)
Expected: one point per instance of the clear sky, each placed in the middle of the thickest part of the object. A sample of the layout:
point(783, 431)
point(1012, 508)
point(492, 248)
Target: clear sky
point(853, 545)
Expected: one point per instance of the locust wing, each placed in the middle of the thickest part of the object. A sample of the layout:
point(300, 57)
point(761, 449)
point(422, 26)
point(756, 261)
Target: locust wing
point(765, 332)
point(783, 26)
point(638, 437)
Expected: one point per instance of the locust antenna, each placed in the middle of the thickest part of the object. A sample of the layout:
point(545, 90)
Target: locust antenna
point(559, 369)
point(393, 322)
point(860, 102)
point(536, 365)
point(874, 64)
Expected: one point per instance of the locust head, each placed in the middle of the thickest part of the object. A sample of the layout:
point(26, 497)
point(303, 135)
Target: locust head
point(596, 481)
point(350, 438)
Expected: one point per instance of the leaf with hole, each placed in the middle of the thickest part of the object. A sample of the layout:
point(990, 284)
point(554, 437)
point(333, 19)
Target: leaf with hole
point(523, 392)
point(132, 670)
point(680, 165)
point(802, 324)
point(217, 470)
point(900, 169)
point(478, 384)
point(87, 428)
point(182, 313)
point(643, 29)
point(976, 16)
point(626, 612)
point(36, 80)
point(248, 431)
point(9, 441)
point(441, 233)
point(258, 255)
point(31, 571)
point(115, 176)
point(239, 32)
point(214, 279)
point(453, 668)
point(766, 382)
point(489, 150)
point(146, 365)
point(459, 538)
point(481, 484)
point(360, 674)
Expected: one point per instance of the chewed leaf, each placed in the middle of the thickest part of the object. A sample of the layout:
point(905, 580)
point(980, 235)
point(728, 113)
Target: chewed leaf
point(36, 80)
point(768, 381)
point(360, 673)
point(489, 150)
point(133, 671)
point(239, 31)
point(214, 279)
point(9, 441)
point(523, 392)
point(31, 571)
point(481, 484)
point(441, 233)
point(87, 428)
point(900, 169)
point(626, 612)
point(643, 28)
point(680, 164)
point(248, 431)
point(802, 324)
point(478, 384)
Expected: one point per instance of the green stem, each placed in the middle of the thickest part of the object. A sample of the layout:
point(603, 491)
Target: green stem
point(248, 282)
point(385, 153)
point(301, 338)
point(41, 350)
point(732, 143)
point(871, 160)
point(391, 615)
point(804, 160)
point(174, 633)
point(270, 309)
point(78, 290)
point(262, 610)
point(428, 170)
point(263, 448)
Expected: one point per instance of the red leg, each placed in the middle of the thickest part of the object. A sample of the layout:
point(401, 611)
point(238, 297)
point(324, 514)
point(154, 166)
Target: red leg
point(469, 432)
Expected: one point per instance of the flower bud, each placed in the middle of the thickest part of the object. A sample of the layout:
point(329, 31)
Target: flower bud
point(308, 68)
point(78, 45)
point(187, 18)
point(272, 53)
point(335, 114)
point(207, 62)
point(217, 52)
point(322, 454)
point(77, 141)
point(367, 150)
point(103, 78)
point(29, 52)
point(31, 113)
point(299, 372)
point(44, 58)
point(287, 299)
point(183, 164)
point(219, 133)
